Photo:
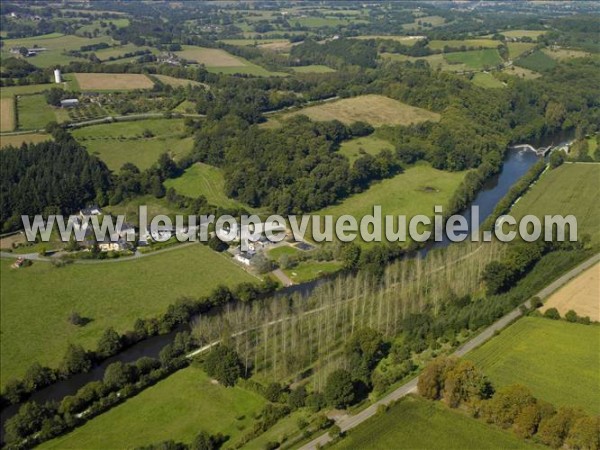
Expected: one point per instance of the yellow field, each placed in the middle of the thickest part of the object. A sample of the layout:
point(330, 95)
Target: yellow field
point(564, 53)
point(210, 57)
point(112, 81)
point(581, 294)
point(17, 139)
point(374, 109)
point(404, 40)
point(7, 114)
point(282, 47)
point(176, 82)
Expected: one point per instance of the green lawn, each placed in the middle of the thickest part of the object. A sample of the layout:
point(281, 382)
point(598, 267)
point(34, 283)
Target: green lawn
point(36, 301)
point(538, 61)
point(487, 80)
point(354, 148)
point(34, 112)
point(309, 270)
point(415, 423)
point(278, 252)
point(120, 142)
point(203, 179)
point(476, 59)
point(177, 408)
point(559, 361)
point(569, 189)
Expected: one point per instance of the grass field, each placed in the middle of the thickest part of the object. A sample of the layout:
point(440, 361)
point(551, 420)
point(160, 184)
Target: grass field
point(486, 43)
point(404, 40)
point(563, 54)
point(374, 109)
point(250, 42)
point(35, 112)
point(120, 142)
point(309, 270)
point(176, 82)
point(413, 192)
point(28, 89)
point(210, 57)
point(155, 206)
point(487, 80)
point(538, 61)
point(435, 61)
point(178, 408)
point(516, 49)
point(7, 114)
point(202, 179)
point(592, 145)
point(278, 252)
point(112, 81)
point(247, 69)
point(557, 360)
point(56, 44)
point(521, 72)
point(415, 423)
point(315, 68)
point(354, 148)
point(476, 59)
point(569, 189)
point(523, 33)
point(17, 139)
point(37, 301)
point(435, 21)
point(580, 294)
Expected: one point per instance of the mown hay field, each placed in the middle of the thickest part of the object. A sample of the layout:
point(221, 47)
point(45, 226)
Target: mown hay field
point(7, 114)
point(112, 81)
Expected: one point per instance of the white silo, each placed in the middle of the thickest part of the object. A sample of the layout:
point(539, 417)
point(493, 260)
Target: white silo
point(57, 78)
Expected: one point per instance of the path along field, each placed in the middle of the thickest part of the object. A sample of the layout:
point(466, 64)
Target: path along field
point(568, 189)
point(112, 81)
point(374, 109)
point(120, 142)
point(36, 301)
point(178, 408)
point(415, 423)
point(581, 295)
point(7, 114)
point(556, 359)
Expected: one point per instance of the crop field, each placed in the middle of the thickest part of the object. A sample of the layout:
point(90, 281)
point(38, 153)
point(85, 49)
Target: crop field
point(7, 114)
point(538, 61)
point(177, 82)
point(563, 54)
point(516, 49)
point(580, 294)
point(210, 57)
point(35, 112)
point(486, 43)
point(475, 59)
point(374, 109)
point(487, 80)
point(112, 81)
point(354, 148)
point(415, 423)
point(203, 179)
point(413, 192)
point(568, 189)
point(556, 359)
point(37, 301)
point(17, 139)
point(120, 142)
point(523, 33)
point(314, 68)
point(178, 407)
point(56, 44)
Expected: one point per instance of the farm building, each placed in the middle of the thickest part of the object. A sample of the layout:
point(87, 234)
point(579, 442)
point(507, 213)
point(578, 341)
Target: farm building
point(69, 103)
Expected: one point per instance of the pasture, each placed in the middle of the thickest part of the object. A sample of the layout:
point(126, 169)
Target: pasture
point(309, 270)
point(314, 68)
point(416, 423)
point(112, 81)
point(563, 54)
point(35, 113)
point(203, 179)
point(568, 189)
point(580, 294)
point(37, 301)
point(355, 148)
point(404, 40)
point(547, 356)
point(10, 91)
point(177, 82)
point(16, 140)
point(120, 142)
point(178, 407)
point(516, 49)
point(521, 72)
point(537, 61)
point(487, 80)
point(374, 109)
point(210, 57)
point(475, 59)
point(533, 34)
point(485, 43)
point(435, 21)
point(7, 114)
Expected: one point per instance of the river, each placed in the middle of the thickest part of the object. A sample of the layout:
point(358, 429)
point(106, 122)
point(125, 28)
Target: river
point(516, 164)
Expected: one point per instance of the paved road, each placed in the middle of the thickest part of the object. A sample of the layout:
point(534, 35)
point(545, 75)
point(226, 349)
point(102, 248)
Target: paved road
point(347, 422)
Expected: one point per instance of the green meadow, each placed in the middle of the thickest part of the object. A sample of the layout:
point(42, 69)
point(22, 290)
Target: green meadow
point(557, 360)
point(120, 142)
point(414, 423)
point(34, 112)
point(309, 270)
point(37, 300)
point(314, 68)
point(355, 148)
point(475, 59)
point(178, 408)
point(538, 61)
point(487, 80)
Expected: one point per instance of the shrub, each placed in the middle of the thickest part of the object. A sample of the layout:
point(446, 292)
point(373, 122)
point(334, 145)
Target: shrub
point(552, 313)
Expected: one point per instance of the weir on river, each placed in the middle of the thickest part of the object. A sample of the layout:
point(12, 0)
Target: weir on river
point(540, 151)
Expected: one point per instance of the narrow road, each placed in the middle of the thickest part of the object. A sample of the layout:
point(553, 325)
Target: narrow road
point(348, 422)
